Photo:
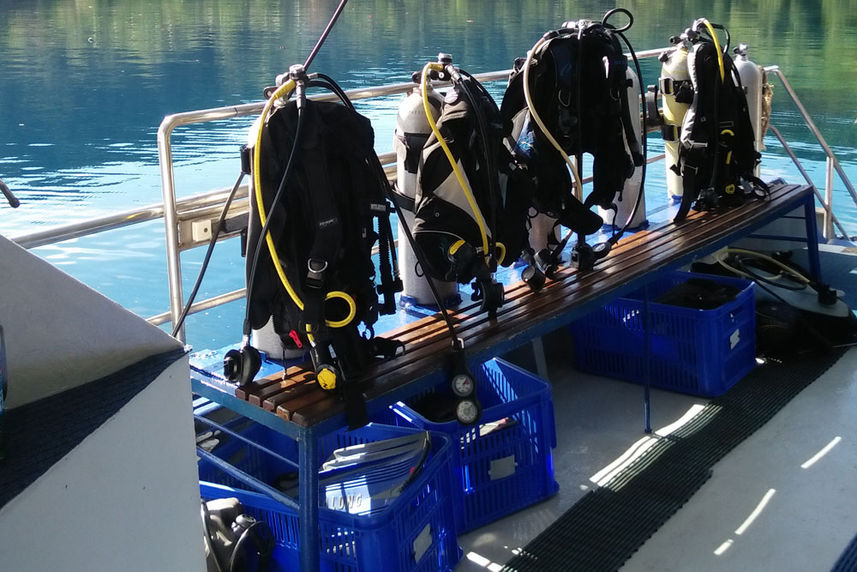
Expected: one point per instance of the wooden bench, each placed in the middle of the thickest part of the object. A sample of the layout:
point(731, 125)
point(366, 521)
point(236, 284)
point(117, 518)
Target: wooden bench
point(295, 397)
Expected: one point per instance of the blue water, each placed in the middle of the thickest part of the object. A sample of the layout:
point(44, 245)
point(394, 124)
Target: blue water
point(84, 86)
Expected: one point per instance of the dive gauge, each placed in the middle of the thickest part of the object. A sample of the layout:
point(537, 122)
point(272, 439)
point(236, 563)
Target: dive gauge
point(468, 411)
point(462, 385)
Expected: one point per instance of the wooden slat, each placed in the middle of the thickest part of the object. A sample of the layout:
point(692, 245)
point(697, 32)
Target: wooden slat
point(294, 396)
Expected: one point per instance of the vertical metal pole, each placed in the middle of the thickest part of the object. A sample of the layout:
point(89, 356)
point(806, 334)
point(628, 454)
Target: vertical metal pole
point(308, 498)
point(539, 357)
point(812, 237)
point(647, 356)
point(828, 197)
point(174, 271)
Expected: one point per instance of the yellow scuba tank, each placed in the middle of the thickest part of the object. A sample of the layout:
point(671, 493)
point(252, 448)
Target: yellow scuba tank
point(633, 185)
point(412, 131)
point(674, 78)
point(754, 81)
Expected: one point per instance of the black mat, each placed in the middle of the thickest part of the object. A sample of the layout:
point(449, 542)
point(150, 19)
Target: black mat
point(40, 433)
point(848, 560)
point(604, 528)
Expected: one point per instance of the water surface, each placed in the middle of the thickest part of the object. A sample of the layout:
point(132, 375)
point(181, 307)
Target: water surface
point(85, 84)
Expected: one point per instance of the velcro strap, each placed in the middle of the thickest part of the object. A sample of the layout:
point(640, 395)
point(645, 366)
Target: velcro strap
point(670, 132)
point(670, 86)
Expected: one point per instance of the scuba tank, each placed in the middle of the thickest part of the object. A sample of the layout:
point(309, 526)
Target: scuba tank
point(573, 87)
point(318, 206)
point(269, 342)
point(412, 132)
point(717, 155)
point(459, 215)
point(543, 232)
point(542, 228)
point(628, 211)
point(677, 91)
point(753, 79)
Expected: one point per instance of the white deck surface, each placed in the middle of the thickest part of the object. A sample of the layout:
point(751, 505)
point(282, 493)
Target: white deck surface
point(797, 475)
point(785, 499)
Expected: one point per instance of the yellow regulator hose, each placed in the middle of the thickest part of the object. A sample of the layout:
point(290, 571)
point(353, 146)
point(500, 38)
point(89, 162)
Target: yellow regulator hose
point(710, 28)
point(465, 187)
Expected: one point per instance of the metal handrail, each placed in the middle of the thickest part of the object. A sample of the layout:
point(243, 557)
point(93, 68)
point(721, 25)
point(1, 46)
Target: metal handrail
point(832, 161)
point(826, 203)
point(173, 209)
point(211, 199)
point(165, 159)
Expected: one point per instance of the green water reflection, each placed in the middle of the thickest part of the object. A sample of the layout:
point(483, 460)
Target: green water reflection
point(91, 71)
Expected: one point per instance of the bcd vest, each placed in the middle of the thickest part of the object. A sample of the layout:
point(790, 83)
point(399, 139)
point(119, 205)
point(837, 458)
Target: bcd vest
point(333, 211)
point(457, 241)
point(578, 82)
point(716, 156)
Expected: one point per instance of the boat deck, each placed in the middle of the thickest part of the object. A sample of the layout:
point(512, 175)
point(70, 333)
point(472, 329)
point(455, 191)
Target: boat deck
point(783, 499)
point(292, 403)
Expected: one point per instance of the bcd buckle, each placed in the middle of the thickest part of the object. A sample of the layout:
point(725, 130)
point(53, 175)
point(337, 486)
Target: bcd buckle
point(315, 272)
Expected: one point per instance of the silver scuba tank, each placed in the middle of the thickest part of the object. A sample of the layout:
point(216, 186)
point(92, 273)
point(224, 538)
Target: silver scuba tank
point(543, 231)
point(412, 131)
point(633, 185)
point(753, 79)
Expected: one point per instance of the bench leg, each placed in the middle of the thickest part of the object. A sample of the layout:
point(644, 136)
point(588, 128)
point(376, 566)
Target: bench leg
point(539, 357)
point(308, 491)
point(812, 237)
point(647, 340)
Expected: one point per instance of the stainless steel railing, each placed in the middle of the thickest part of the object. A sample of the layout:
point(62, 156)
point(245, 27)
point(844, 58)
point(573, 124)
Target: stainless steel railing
point(832, 162)
point(170, 210)
point(177, 213)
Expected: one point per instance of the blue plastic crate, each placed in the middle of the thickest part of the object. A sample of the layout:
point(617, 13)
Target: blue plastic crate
point(505, 463)
point(415, 532)
point(698, 352)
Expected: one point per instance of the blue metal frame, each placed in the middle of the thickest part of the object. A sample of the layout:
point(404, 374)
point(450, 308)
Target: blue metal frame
point(222, 392)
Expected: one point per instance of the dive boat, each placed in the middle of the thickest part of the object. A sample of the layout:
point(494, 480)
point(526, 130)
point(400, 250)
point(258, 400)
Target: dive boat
point(110, 422)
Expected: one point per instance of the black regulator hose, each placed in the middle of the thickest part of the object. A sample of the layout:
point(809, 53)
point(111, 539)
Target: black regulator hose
point(644, 150)
point(218, 227)
point(13, 200)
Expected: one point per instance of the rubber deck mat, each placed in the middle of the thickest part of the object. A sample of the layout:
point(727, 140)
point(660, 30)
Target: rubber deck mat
point(848, 560)
point(605, 527)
